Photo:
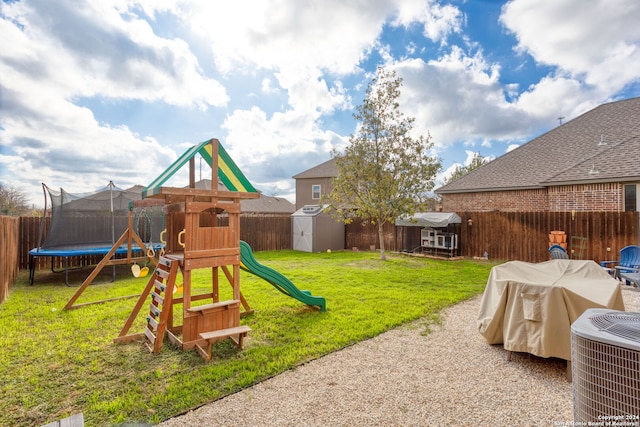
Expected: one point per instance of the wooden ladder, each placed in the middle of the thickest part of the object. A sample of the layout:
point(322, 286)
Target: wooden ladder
point(160, 287)
point(164, 279)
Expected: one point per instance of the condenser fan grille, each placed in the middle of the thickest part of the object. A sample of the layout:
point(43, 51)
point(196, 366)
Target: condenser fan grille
point(605, 367)
point(623, 325)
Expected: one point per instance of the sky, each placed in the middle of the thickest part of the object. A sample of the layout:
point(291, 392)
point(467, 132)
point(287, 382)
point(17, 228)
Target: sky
point(93, 91)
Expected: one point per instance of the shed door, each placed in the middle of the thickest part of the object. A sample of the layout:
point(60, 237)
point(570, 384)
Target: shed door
point(303, 234)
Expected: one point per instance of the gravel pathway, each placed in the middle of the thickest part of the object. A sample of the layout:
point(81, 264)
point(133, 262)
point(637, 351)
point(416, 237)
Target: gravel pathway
point(450, 376)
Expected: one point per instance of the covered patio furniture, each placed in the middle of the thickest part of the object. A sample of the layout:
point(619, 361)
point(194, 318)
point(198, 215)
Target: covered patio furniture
point(530, 307)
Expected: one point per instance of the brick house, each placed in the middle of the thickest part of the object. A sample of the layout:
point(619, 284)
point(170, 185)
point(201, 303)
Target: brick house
point(590, 163)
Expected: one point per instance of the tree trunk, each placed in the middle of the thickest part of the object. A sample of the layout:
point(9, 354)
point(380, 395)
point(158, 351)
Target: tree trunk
point(381, 238)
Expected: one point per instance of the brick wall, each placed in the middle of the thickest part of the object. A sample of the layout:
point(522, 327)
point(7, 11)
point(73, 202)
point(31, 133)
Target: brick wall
point(606, 197)
point(505, 201)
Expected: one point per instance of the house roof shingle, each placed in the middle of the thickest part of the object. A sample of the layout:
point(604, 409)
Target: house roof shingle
point(263, 204)
point(605, 139)
point(323, 170)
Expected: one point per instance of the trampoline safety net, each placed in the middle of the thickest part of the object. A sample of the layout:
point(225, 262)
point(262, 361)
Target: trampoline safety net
point(96, 219)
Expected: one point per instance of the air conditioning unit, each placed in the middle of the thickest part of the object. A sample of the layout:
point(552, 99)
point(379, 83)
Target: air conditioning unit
point(605, 367)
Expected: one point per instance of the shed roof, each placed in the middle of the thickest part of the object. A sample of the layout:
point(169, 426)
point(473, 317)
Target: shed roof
point(429, 219)
point(597, 146)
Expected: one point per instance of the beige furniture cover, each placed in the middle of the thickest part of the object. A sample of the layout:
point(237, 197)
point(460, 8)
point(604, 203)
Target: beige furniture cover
point(530, 307)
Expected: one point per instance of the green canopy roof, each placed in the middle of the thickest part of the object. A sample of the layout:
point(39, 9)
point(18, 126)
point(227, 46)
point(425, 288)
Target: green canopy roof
point(228, 172)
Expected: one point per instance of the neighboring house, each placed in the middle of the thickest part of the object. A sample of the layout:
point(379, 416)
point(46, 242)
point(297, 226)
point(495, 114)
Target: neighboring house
point(313, 229)
point(265, 205)
point(591, 163)
point(314, 183)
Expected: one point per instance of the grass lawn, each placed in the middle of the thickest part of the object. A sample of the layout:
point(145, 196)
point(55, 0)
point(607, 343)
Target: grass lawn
point(56, 363)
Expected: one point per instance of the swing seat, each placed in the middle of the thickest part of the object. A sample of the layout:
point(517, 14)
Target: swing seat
point(139, 272)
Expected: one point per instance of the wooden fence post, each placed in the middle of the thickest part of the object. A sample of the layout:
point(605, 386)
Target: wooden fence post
point(9, 232)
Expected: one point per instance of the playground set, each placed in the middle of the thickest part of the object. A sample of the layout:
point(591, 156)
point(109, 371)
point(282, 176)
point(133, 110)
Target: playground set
point(195, 228)
point(202, 231)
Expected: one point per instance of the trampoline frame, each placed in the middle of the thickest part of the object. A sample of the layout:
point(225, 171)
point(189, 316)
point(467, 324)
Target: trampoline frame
point(76, 251)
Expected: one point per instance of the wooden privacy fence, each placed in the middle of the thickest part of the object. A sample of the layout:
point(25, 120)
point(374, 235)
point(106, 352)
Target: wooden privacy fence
point(520, 236)
point(525, 235)
point(266, 233)
point(261, 232)
point(9, 236)
point(503, 235)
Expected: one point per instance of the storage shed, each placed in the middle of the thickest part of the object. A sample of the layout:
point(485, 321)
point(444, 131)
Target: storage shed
point(315, 231)
point(439, 232)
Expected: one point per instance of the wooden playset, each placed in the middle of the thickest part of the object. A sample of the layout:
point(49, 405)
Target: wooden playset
point(202, 231)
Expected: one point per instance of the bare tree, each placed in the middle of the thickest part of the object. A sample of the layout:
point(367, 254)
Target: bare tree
point(13, 201)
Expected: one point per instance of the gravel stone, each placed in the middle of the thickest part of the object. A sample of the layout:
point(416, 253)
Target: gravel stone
point(406, 377)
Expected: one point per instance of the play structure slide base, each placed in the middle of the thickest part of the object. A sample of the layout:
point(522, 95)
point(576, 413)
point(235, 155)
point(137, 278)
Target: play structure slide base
point(279, 281)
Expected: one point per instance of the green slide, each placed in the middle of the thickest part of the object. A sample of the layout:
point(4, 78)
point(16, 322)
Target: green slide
point(281, 283)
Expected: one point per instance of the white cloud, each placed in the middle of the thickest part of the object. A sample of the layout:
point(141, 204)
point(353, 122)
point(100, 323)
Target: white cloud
point(439, 21)
point(255, 138)
point(122, 57)
point(486, 142)
point(595, 43)
point(59, 53)
point(64, 146)
point(445, 174)
point(116, 56)
point(459, 98)
point(555, 96)
point(470, 155)
point(286, 72)
point(330, 35)
point(267, 87)
point(309, 93)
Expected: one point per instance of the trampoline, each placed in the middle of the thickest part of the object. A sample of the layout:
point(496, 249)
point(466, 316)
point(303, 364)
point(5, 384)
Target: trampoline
point(88, 225)
point(77, 251)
